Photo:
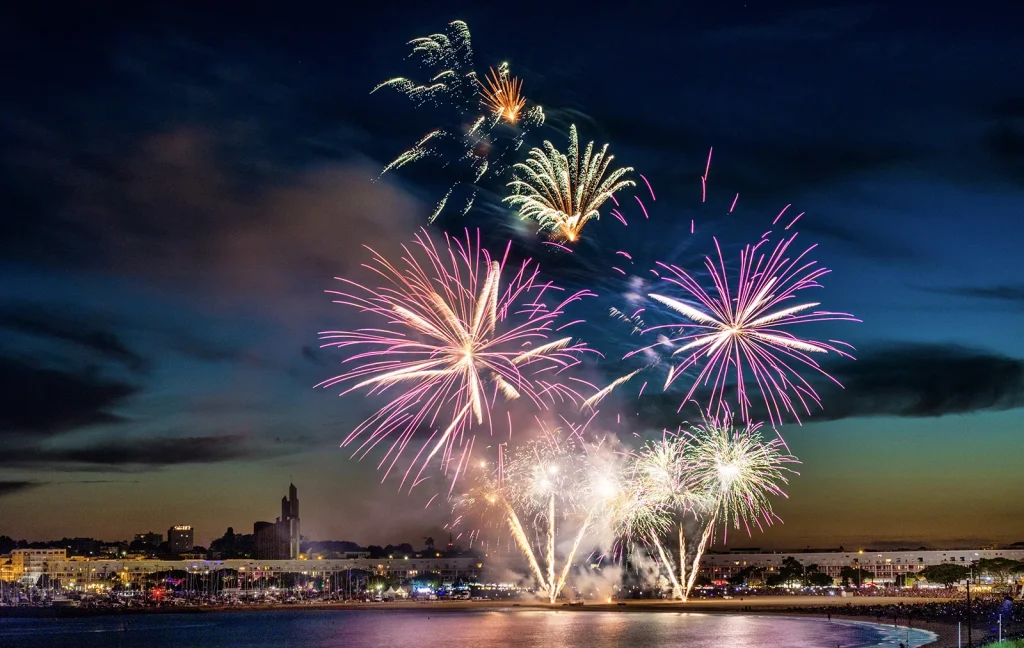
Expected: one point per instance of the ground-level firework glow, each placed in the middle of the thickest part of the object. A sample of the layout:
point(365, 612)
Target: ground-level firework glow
point(704, 478)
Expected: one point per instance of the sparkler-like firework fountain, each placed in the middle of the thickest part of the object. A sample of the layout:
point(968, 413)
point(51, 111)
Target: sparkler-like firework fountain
point(549, 485)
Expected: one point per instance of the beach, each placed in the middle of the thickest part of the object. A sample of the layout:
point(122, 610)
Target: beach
point(841, 608)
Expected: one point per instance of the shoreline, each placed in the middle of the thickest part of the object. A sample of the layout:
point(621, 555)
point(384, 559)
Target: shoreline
point(946, 632)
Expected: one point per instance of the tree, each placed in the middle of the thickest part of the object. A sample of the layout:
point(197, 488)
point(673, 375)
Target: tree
point(855, 575)
point(429, 542)
point(1000, 568)
point(946, 573)
point(791, 570)
point(818, 579)
point(745, 575)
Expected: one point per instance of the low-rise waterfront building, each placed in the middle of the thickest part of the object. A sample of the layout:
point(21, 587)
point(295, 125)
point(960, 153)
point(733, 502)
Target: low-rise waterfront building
point(887, 566)
point(81, 572)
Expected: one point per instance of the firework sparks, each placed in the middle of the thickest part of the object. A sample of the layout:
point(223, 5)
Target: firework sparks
point(657, 496)
point(477, 106)
point(563, 192)
point(502, 93)
point(740, 330)
point(450, 55)
point(737, 473)
point(454, 337)
point(552, 488)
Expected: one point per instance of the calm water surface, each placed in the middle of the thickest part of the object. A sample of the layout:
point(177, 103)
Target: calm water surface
point(427, 629)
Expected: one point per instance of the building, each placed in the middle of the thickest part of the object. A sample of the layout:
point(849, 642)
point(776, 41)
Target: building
point(28, 565)
point(149, 539)
point(82, 573)
point(279, 540)
point(887, 566)
point(180, 539)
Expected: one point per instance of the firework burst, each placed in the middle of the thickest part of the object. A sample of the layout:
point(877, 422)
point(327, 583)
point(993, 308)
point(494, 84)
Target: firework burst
point(502, 93)
point(655, 499)
point(739, 330)
point(454, 337)
point(737, 473)
point(563, 192)
point(478, 107)
point(556, 482)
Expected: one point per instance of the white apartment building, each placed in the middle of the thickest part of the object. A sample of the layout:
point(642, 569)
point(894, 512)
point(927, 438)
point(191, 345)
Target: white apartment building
point(885, 565)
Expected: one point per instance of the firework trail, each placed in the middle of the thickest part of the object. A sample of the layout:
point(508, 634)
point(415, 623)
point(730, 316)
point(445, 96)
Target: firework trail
point(458, 329)
point(740, 329)
point(550, 492)
point(645, 509)
point(563, 192)
point(479, 107)
point(736, 472)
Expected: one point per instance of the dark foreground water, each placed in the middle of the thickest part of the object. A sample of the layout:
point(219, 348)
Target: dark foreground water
point(429, 629)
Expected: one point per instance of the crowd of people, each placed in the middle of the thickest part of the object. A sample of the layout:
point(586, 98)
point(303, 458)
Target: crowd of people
point(986, 615)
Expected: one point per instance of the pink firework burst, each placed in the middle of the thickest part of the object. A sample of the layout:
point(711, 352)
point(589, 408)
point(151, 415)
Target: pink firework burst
point(740, 330)
point(459, 330)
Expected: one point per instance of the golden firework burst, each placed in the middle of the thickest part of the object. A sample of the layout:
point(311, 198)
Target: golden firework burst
point(502, 94)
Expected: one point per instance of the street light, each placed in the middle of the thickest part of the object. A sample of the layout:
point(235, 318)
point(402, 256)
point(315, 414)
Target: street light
point(970, 643)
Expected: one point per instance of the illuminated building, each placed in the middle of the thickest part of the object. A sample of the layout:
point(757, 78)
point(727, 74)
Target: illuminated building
point(80, 572)
point(887, 566)
point(27, 565)
point(180, 539)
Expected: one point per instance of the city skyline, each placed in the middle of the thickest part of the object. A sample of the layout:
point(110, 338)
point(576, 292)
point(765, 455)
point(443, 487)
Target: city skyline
point(168, 245)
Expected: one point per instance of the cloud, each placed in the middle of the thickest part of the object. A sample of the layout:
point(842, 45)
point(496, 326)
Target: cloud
point(1004, 145)
point(923, 381)
point(182, 213)
point(313, 355)
point(899, 380)
point(38, 322)
point(11, 487)
point(1006, 293)
point(820, 24)
point(41, 400)
point(119, 454)
point(860, 241)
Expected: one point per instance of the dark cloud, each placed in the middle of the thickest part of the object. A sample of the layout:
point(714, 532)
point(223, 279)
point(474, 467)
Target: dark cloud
point(1006, 293)
point(819, 24)
point(925, 380)
point(1011, 107)
point(1005, 143)
point(313, 355)
point(764, 166)
point(900, 380)
point(11, 487)
point(35, 321)
point(42, 400)
point(861, 241)
point(203, 349)
point(121, 454)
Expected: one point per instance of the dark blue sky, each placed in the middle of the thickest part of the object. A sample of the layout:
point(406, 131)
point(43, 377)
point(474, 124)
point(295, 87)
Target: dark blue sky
point(180, 185)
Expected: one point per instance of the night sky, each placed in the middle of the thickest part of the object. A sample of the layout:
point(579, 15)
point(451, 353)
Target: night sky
point(180, 185)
